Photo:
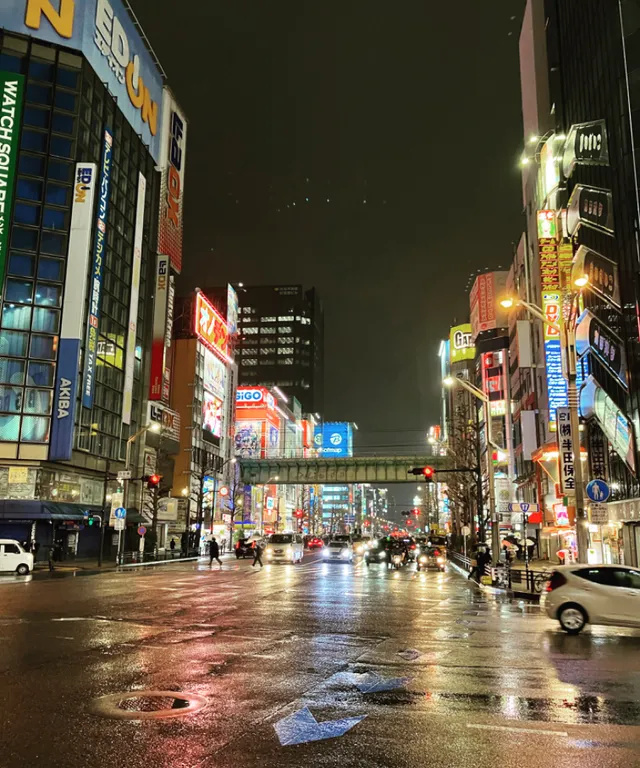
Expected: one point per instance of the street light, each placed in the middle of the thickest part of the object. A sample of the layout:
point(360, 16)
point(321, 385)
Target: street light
point(567, 334)
point(450, 381)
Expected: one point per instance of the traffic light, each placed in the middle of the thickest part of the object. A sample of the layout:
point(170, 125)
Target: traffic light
point(415, 512)
point(299, 513)
point(90, 521)
point(152, 481)
point(426, 472)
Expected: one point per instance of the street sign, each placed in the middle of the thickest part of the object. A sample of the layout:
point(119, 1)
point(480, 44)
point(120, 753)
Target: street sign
point(598, 490)
point(120, 513)
point(224, 490)
point(142, 530)
point(599, 513)
point(524, 507)
point(125, 474)
point(119, 524)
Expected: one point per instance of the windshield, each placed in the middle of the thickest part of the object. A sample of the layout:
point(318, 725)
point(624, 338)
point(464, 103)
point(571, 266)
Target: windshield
point(282, 538)
point(338, 544)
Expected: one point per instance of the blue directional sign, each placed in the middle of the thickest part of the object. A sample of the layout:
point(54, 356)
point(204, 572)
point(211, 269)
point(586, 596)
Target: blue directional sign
point(120, 513)
point(302, 727)
point(598, 490)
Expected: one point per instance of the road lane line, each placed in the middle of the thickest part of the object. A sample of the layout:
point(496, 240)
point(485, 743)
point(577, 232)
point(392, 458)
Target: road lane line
point(510, 729)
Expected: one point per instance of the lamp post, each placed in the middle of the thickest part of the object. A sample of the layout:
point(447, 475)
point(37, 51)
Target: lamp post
point(450, 381)
point(155, 427)
point(567, 333)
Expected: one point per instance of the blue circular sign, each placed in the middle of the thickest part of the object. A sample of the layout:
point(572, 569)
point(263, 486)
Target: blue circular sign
point(120, 513)
point(598, 490)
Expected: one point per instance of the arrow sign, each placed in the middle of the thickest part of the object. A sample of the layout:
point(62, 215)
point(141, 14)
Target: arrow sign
point(301, 727)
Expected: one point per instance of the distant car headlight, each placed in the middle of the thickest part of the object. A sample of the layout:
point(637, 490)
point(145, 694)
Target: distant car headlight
point(269, 554)
point(383, 555)
point(289, 551)
point(423, 558)
point(417, 550)
point(440, 561)
point(326, 552)
point(360, 549)
point(345, 553)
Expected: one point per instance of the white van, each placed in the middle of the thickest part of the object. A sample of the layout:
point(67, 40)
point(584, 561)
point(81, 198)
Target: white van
point(13, 557)
point(287, 547)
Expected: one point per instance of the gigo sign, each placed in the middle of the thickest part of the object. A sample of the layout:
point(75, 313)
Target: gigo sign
point(104, 32)
point(254, 396)
point(461, 343)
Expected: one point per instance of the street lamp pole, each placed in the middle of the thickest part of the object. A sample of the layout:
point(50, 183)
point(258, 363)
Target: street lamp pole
point(567, 335)
point(480, 395)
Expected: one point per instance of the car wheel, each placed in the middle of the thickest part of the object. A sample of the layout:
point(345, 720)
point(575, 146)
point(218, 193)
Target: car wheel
point(572, 618)
point(22, 569)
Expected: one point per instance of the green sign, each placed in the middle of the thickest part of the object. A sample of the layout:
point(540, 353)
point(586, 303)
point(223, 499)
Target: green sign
point(11, 97)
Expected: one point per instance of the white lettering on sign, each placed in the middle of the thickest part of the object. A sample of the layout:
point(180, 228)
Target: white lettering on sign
point(64, 398)
point(462, 340)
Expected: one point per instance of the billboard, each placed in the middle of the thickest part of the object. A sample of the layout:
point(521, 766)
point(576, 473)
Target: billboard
point(486, 313)
point(212, 414)
point(254, 397)
point(11, 96)
point(95, 293)
point(214, 375)
point(211, 328)
point(334, 438)
point(173, 162)
point(232, 309)
point(75, 292)
point(158, 348)
point(104, 32)
point(248, 439)
point(461, 344)
point(130, 352)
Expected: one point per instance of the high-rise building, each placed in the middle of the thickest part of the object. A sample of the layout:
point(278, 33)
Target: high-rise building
point(87, 123)
point(281, 341)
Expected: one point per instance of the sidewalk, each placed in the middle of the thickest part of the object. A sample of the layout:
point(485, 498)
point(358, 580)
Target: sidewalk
point(91, 564)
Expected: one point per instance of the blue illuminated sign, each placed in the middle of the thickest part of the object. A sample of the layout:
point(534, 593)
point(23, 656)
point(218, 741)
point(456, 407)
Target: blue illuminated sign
point(334, 438)
point(95, 290)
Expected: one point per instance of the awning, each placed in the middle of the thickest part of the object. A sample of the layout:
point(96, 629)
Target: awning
point(16, 510)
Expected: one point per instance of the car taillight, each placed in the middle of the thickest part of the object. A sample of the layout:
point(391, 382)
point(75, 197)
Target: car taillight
point(556, 580)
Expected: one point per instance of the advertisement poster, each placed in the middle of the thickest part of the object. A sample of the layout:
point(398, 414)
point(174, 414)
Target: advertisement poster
point(158, 348)
point(215, 374)
point(273, 440)
point(248, 439)
point(212, 414)
point(11, 96)
point(211, 328)
point(232, 309)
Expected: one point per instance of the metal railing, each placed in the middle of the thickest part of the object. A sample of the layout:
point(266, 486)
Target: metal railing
point(505, 577)
point(158, 557)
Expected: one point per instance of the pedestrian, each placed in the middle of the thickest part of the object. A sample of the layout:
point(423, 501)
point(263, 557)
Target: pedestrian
point(172, 545)
point(214, 552)
point(51, 553)
point(257, 554)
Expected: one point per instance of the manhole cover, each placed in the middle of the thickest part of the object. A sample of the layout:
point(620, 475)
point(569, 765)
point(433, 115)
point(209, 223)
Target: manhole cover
point(148, 705)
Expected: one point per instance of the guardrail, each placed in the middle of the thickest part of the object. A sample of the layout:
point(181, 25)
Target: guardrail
point(159, 557)
point(503, 576)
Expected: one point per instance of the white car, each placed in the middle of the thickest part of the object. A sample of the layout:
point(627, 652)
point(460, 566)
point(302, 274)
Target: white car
point(286, 547)
point(13, 558)
point(342, 551)
point(577, 595)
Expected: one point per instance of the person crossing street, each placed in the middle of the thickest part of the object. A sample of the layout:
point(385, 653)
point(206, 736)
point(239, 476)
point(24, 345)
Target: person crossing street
point(214, 552)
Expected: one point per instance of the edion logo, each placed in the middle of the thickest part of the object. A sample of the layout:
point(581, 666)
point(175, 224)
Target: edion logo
point(335, 439)
point(84, 176)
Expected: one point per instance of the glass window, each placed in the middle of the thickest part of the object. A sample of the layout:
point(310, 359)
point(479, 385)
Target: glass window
point(61, 147)
point(57, 194)
point(39, 118)
point(633, 579)
point(9, 428)
point(16, 317)
point(60, 170)
point(21, 264)
point(66, 100)
point(36, 141)
point(48, 295)
point(43, 347)
point(11, 399)
point(40, 94)
point(41, 70)
point(37, 401)
point(50, 269)
point(606, 576)
point(53, 243)
point(68, 77)
point(35, 429)
point(46, 320)
point(25, 239)
point(14, 343)
point(11, 371)
point(10, 63)
point(64, 123)
point(24, 213)
point(11, 549)
point(29, 189)
point(18, 291)
point(32, 164)
point(54, 218)
point(40, 374)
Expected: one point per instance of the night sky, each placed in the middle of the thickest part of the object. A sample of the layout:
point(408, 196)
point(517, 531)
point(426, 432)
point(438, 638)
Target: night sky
point(401, 125)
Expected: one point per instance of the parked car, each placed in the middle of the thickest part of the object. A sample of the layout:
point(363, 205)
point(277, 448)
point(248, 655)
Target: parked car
point(14, 558)
point(577, 595)
point(341, 551)
point(287, 547)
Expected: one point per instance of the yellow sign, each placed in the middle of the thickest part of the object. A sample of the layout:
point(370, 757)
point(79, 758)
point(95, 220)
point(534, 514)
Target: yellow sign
point(18, 475)
point(461, 343)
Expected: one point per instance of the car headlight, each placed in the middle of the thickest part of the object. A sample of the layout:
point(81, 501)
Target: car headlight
point(289, 551)
point(383, 555)
point(269, 553)
point(360, 549)
point(440, 560)
point(417, 550)
point(326, 552)
point(423, 559)
point(345, 553)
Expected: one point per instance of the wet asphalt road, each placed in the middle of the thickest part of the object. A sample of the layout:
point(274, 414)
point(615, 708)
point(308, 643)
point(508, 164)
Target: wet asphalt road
point(482, 680)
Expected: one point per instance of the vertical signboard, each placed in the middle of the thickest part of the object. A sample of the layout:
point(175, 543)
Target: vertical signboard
point(75, 292)
point(11, 97)
point(566, 459)
point(232, 310)
point(174, 140)
point(97, 270)
point(130, 353)
point(158, 349)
